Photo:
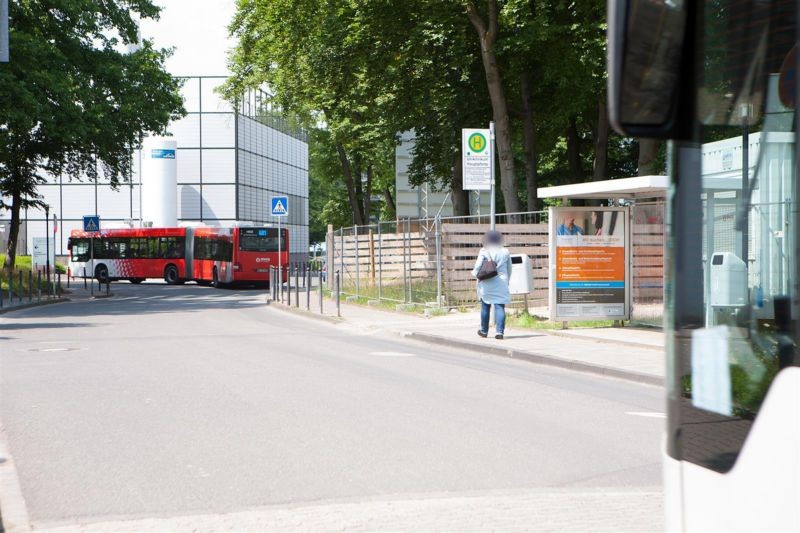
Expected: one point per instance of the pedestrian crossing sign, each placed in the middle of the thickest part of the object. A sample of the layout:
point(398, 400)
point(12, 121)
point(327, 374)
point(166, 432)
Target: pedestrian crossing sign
point(91, 223)
point(280, 206)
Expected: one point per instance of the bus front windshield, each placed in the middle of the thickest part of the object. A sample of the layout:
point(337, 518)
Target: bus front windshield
point(80, 250)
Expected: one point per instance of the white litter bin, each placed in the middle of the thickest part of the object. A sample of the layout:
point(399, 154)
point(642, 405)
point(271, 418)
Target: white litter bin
point(728, 280)
point(521, 281)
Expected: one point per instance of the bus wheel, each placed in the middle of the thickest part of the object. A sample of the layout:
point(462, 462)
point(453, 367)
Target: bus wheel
point(171, 275)
point(101, 273)
point(215, 278)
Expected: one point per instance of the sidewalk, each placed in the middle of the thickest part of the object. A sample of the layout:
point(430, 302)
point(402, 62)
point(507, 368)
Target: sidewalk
point(635, 354)
point(75, 292)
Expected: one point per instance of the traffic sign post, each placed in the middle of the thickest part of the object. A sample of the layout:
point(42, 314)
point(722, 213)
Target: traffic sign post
point(280, 209)
point(91, 224)
point(477, 153)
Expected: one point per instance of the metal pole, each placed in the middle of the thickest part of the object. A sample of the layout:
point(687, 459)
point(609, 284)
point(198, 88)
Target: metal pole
point(338, 296)
point(11, 287)
point(307, 282)
point(19, 290)
point(410, 266)
point(91, 280)
point(358, 269)
point(84, 279)
point(405, 264)
point(1, 297)
point(38, 285)
point(108, 286)
point(47, 241)
point(380, 262)
point(289, 284)
point(745, 112)
point(321, 310)
point(341, 249)
point(58, 286)
point(438, 228)
point(491, 166)
point(280, 259)
point(297, 285)
point(30, 286)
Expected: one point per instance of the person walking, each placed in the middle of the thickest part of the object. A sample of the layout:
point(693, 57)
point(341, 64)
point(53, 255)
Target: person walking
point(493, 270)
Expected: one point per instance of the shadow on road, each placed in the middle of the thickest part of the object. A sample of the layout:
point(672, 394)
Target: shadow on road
point(43, 325)
point(149, 298)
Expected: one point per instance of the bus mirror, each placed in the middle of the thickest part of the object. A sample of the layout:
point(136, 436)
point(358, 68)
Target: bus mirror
point(645, 61)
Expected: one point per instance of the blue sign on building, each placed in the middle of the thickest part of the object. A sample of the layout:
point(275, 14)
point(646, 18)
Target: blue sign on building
point(162, 153)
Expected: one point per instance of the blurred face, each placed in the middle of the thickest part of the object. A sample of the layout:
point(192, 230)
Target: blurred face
point(570, 221)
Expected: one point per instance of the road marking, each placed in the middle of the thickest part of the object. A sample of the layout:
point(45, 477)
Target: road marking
point(646, 414)
point(392, 354)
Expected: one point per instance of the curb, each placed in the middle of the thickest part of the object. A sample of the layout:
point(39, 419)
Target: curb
point(537, 358)
point(302, 312)
point(633, 344)
point(14, 517)
point(32, 305)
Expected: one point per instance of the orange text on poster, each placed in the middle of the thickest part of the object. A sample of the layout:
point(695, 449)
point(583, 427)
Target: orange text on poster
point(588, 263)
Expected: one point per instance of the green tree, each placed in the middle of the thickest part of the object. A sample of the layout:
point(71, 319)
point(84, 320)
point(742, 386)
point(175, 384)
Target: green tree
point(73, 101)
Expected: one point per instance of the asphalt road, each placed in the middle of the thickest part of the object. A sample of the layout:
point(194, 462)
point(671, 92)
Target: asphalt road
point(171, 401)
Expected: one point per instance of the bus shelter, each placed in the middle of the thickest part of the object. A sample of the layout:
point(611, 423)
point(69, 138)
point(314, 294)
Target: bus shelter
point(600, 267)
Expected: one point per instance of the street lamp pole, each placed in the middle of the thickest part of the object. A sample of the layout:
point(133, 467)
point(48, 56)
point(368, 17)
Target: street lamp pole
point(47, 241)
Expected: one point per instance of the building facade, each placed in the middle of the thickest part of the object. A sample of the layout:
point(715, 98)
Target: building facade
point(230, 162)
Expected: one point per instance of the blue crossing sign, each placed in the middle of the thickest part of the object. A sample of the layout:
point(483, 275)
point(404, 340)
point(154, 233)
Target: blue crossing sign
point(280, 206)
point(91, 223)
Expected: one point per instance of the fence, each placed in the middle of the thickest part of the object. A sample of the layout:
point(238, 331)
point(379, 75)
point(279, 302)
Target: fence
point(18, 287)
point(429, 261)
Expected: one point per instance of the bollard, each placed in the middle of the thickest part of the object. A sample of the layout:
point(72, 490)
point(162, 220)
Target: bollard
point(305, 268)
point(320, 292)
point(1, 297)
point(30, 286)
point(20, 290)
point(59, 289)
point(69, 275)
point(108, 286)
point(338, 296)
point(38, 285)
point(289, 285)
point(297, 286)
point(84, 279)
point(307, 283)
point(11, 287)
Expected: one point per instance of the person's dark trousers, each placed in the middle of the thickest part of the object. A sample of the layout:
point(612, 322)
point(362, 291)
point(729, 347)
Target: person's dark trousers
point(499, 317)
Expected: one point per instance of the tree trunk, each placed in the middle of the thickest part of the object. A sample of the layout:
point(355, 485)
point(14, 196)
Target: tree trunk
point(13, 231)
point(347, 173)
point(600, 170)
point(460, 196)
point(387, 197)
point(487, 34)
point(359, 183)
point(574, 152)
point(368, 195)
point(529, 142)
point(648, 151)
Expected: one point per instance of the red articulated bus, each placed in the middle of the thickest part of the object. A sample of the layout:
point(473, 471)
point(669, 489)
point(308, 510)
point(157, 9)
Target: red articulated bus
point(208, 255)
point(239, 255)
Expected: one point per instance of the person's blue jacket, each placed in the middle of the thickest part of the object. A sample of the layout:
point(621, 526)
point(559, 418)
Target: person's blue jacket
point(563, 229)
point(494, 290)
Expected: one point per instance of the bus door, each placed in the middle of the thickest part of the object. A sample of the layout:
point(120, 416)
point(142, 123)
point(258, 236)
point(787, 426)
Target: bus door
point(719, 78)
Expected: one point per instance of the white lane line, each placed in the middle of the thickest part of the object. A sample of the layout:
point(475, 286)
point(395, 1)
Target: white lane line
point(392, 354)
point(646, 414)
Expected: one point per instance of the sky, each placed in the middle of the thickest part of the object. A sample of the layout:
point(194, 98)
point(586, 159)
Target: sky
point(197, 29)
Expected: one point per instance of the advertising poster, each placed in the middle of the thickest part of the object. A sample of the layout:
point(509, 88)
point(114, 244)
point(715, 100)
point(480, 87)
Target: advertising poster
point(588, 263)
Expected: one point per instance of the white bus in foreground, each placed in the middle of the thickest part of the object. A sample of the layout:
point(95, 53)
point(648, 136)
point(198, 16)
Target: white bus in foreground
point(718, 78)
